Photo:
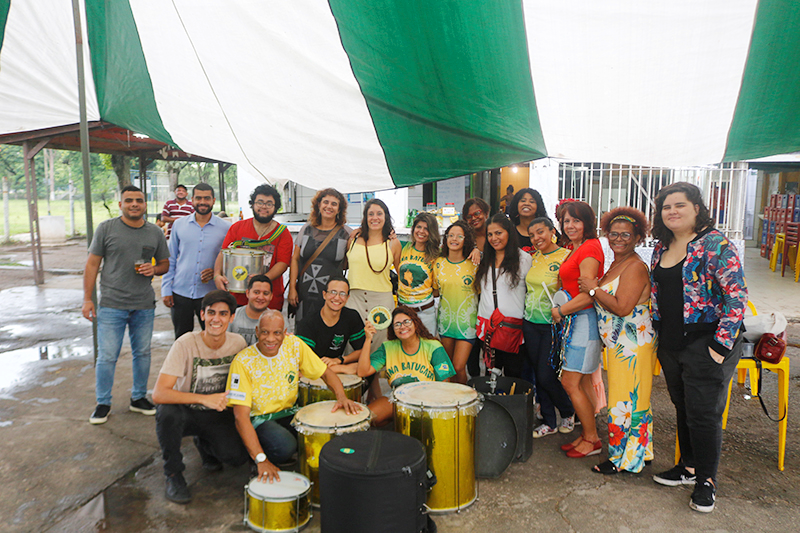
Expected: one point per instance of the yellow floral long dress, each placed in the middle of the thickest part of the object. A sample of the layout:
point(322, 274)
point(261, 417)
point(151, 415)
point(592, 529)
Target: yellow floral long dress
point(631, 343)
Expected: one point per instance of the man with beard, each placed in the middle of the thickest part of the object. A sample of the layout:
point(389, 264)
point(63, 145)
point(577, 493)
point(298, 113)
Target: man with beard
point(259, 295)
point(131, 251)
point(193, 248)
point(262, 233)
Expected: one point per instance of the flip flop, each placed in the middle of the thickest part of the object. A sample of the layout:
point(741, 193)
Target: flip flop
point(607, 468)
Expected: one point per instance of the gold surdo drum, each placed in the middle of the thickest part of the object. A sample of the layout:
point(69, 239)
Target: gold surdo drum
point(316, 425)
point(315, 390)
point(442, 416)
point(241, 264)
point(278, 506)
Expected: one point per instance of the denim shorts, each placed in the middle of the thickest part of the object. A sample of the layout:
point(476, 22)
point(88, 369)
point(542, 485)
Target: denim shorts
point(584, 348)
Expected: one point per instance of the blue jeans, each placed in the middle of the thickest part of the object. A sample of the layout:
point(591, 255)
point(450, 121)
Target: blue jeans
point(277, 440)
point(111, 325)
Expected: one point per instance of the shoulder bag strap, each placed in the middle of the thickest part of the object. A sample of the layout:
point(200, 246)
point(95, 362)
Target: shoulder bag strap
point(494, 286)
point(318, 251)
point(760, 399)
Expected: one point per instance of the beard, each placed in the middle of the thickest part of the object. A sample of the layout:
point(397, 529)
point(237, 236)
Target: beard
point(203, 209)
point(263, 220)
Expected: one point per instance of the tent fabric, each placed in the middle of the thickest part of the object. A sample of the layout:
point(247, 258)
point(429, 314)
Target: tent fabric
point(372, 94)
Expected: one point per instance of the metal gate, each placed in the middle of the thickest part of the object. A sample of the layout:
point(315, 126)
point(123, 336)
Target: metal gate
point(605, 186)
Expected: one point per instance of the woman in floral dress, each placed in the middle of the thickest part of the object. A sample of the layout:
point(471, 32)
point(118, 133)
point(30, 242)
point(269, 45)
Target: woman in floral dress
point(622, 299)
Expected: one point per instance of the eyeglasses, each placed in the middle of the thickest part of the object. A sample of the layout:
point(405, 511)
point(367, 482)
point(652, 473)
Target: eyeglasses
point(403, 324)
point(341, 294)
point(476, 214)
point(264, 204)
point(456, 237)
point(625, 236)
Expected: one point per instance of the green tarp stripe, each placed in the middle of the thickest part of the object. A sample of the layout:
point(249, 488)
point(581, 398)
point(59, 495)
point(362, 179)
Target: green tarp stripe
point(122, 82)
point(768, 109)
point(5, 5)
point(463, 68)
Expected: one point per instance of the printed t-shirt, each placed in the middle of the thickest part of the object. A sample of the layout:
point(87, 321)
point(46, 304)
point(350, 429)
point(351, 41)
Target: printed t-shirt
point(277, 244)
point(361, 276)
point(525, 243)
point(570, 269)
point(414, 277)
point(429, 363)
point(201, 369)
point(330, 341)
point(544, 269)
point(120, 245)
point(458, 305)
point(269, 384)
point(244, 325)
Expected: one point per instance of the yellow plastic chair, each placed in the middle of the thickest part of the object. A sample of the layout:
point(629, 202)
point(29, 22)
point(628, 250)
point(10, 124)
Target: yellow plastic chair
point(777, 248)
point(742, 372)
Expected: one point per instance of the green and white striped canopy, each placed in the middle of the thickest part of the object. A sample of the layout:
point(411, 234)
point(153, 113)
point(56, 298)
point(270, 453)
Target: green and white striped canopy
point(373, 94)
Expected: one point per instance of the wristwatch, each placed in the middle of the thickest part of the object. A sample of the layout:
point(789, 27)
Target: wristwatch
point(341, 359)
point(592, 292)
point(260, 458)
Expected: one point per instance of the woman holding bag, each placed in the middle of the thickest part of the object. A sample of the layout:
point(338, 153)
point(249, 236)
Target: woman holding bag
point(319, 251)
point(501, 281)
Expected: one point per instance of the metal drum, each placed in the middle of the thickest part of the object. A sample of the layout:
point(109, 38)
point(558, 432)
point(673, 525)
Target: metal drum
point(278, 506)
point(315, 390)
point(316, 425)
point(240, 264)
point(442, 417)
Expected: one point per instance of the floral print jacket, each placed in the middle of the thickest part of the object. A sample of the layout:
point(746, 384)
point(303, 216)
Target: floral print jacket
point(714, 288)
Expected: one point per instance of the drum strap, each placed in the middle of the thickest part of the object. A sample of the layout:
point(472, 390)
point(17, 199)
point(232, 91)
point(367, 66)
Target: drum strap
point(247, 242)
point(260, 419)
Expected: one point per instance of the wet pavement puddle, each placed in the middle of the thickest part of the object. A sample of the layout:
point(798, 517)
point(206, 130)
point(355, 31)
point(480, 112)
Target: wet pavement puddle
point(16, 364)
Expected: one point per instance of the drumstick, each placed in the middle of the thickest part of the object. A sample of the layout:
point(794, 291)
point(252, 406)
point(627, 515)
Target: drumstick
point(513, 387)
point(547, 292)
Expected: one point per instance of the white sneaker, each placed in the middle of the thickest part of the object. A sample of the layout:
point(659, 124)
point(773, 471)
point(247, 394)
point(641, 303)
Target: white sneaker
point(567, 424)
point(543, 431)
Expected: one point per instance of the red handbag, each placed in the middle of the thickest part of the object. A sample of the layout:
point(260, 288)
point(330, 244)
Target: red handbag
point(770, 349)
point(503, 333)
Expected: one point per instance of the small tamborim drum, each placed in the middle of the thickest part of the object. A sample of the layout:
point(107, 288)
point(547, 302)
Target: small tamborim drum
point(278, 506)
point(240, 264)
point(315, 390)
point(442, 417)
point(316, 425)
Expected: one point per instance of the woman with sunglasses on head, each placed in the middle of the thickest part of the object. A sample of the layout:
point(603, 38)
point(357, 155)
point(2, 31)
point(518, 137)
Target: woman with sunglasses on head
point(540, 331)
point(503, 270)
point(370, 257)
point(415, 279)
point(526, 205)
point(582, 345)
point(411, 354)
point(698, 299)
point(453, 278)
point(622, 302)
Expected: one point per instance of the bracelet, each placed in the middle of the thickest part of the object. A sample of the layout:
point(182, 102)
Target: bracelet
point(558, 306)
point(341, 359)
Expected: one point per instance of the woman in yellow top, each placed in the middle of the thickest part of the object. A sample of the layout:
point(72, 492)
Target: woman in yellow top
point(415, 270)
point(370, 257)
point(411, 354)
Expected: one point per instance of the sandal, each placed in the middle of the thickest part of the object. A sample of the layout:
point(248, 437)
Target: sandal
point(597, 447)
point(607, 468)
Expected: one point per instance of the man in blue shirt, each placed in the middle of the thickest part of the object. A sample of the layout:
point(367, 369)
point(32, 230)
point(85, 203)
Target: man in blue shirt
point(193, 247)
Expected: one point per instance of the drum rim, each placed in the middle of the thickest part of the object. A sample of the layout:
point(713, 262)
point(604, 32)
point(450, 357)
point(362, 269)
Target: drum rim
point(243, 251)
point(282, 499)
point(365, 410)
point(443, 407)
point(315, 386)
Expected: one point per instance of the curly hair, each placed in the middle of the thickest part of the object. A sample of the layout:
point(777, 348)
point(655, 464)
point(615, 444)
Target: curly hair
point(469, 239)
point(622, 214)
point(583, 212)
point(480, 202)
point(513, 210)
point(432, 244)
point(387, 223)
point(693, 194)
point(510, 263)
point(419, 327)
point(266, 190)
point(314, 217)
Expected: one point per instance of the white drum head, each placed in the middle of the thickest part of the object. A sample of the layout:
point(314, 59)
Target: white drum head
point(437, 394)
point(561, 297)
point(290, 487)
point(348, 381)
point(318, 415)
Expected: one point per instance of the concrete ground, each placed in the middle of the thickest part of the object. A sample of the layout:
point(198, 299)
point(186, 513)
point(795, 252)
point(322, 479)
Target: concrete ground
point(59, 473)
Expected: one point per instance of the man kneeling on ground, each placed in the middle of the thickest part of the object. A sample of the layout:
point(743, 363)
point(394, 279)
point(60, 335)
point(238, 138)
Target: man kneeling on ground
point(191, 398)
point(259, 296)
point(262, 388)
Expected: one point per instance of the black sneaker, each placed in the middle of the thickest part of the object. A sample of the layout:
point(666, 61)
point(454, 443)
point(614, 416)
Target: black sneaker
point(177, 491)
point(142, 405)
point(675, 476)
point(100, 414)
point(703, 497)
